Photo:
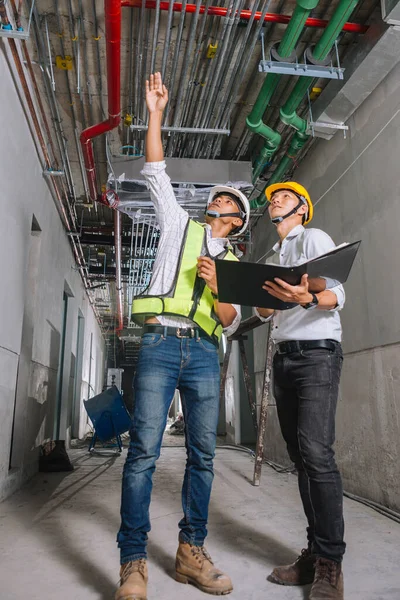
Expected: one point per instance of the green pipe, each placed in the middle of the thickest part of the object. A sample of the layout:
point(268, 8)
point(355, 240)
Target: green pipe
point(288, 112)
point(321, 51)
point(298, 141)
point(295, 26)
point(328, 38)
point(263, 98)
point(263, 158)
point(286, 46)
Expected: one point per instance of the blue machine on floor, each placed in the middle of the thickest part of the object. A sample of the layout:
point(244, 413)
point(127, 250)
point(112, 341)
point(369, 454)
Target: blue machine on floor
point(109, 416)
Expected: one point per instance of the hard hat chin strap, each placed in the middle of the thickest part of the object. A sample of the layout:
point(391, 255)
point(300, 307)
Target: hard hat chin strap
point(277, 220)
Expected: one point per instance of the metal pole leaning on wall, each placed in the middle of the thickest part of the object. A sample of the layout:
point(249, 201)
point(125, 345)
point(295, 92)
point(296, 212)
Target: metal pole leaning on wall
point(260, 426)
point(247, 380)
point(262, 423)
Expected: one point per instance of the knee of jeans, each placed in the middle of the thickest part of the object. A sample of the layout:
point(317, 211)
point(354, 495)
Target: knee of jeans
point(202, 452)
point(317, 457)
point(144, 450)
point(295, 457)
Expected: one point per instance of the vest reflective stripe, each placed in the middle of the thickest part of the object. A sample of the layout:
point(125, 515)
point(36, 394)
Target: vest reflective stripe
point(183, 302)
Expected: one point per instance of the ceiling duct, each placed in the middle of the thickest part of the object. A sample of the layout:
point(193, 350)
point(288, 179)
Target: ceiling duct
point(391, 11)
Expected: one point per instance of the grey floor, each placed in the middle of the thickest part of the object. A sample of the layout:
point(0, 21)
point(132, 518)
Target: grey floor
point(57, 535)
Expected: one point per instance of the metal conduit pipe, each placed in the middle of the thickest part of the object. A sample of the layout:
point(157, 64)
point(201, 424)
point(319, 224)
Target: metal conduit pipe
point(79, 255)
point(146, 45)
point(226, 53)
point(44, 117)
point(225, 109)
point(167, 37)
point(202, 130)
point(139, 61)
point(112, 10)
point(204, 74)
point(85, 61)
point(71, 101)
point(55, 114)
point(185, 67)
point(39, 135)
point(74, 37)
point(215, 82)
point(177, 52)
point(288, 112)
point(221, 11)
point(187, 101)
point(96, 37)
point(254, 120)
point(230, 64)
point(38, 99)
point(130, 76)
point(155, 37)
point(247, 136)
point(210, 78)
point(118, 278)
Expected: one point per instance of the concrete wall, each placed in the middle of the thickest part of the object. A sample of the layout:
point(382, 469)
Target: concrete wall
point(37, 267)
point(355, 184)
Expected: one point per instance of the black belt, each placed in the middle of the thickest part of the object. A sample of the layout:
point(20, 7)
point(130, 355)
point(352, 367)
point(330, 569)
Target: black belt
point(297, 346)
point(179, 332)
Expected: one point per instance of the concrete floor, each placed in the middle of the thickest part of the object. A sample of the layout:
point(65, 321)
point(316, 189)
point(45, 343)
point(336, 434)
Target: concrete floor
point(57, 535)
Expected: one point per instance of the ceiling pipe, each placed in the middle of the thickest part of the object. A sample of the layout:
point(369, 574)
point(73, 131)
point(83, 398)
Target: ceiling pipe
point(54, 110)
point(40, 138)
point(216, 80)
point(182, 83)
point(238, 73)
point(193, 76)
point(285, 49)
point(118, 275)
point(112, 10)
point(220, 11)
point(288, 112)
point(177, 54)
point(320, 53)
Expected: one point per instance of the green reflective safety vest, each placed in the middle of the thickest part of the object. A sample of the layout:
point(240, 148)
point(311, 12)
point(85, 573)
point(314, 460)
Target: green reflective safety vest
point(189, 296)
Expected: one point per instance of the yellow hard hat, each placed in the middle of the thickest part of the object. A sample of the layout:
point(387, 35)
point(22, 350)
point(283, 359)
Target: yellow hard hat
point(295, 187)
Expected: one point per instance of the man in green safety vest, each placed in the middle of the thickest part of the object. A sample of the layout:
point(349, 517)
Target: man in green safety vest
point(183, 323)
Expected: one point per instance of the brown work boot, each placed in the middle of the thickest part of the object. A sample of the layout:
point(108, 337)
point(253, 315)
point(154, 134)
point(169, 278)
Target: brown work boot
point(134, 577)
point(194, 565)
point(328, 581)
point(300, 572)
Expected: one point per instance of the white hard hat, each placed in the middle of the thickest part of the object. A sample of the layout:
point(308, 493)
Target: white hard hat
point(243, 202)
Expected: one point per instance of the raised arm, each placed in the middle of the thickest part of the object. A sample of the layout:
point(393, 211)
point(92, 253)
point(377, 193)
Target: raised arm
point(170, 215)
point(156, 100)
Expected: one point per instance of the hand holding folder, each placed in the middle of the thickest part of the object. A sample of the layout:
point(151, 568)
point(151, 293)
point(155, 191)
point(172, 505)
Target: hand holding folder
point(241, 282)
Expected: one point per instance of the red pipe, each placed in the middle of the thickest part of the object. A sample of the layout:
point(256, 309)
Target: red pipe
point(220, 11)
point(112, 11)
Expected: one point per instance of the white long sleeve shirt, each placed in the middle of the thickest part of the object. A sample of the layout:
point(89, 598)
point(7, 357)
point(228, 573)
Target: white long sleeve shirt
point(297, 323)
point(172, 220)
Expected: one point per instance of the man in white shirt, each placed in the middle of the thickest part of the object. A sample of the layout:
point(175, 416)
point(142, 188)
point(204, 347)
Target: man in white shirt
point(183, 322)
point(306, 373)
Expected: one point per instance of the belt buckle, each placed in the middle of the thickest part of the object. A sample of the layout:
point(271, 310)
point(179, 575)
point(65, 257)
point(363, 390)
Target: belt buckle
point(189, 332)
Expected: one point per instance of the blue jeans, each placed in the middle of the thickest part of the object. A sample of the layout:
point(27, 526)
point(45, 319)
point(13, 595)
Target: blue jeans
point(165, 364)
point(306, 386)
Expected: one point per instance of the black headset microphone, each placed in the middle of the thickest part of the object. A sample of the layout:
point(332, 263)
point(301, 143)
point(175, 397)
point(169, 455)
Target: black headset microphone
point(217, 215)
point(277, 220)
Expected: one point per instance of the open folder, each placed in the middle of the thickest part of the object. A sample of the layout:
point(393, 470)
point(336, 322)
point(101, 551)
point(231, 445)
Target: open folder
point(241, 282)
